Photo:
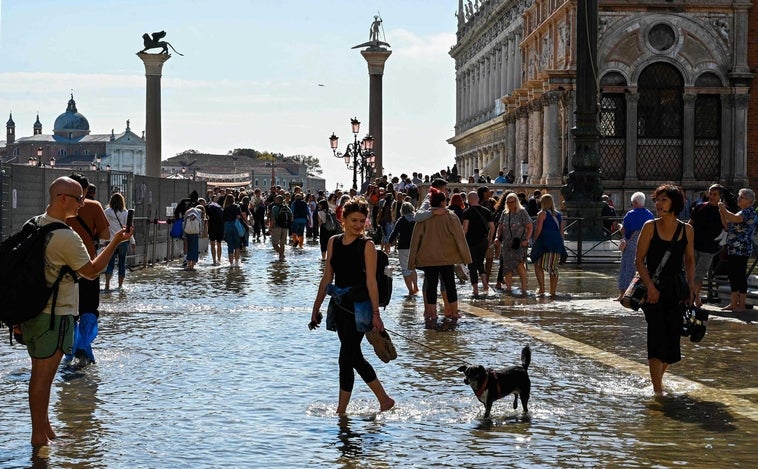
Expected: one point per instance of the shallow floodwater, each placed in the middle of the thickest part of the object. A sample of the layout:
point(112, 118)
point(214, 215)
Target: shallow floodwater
point(217, 368)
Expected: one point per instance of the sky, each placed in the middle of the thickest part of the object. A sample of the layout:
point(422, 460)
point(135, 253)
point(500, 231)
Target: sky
point(249, 77)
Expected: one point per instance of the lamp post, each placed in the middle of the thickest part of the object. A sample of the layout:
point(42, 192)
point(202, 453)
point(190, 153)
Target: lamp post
point(357, 155)
point(95, 165)
point(39, 156)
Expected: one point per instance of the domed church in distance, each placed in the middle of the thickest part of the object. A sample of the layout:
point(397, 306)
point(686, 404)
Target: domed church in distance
point(72, 146)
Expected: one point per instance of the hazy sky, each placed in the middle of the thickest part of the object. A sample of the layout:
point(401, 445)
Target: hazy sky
point(249, 75)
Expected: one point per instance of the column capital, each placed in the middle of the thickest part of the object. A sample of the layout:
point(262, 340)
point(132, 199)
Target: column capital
point(376, 60)
point(153, 63)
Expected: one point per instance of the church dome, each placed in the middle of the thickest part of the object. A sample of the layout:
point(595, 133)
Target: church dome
point(71, 122)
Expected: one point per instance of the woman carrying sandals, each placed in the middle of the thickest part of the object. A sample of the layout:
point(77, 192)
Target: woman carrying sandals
point(341, 266)
point(666, 299)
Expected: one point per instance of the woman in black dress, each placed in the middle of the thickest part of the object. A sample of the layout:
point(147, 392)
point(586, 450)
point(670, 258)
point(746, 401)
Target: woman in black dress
point(665, 299)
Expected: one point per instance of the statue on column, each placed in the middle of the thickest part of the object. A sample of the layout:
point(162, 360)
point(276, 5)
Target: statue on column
point(374, 31)
point(154, 42)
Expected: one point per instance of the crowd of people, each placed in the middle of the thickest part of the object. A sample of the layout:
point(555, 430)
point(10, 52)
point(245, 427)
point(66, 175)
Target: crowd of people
point(439, 234)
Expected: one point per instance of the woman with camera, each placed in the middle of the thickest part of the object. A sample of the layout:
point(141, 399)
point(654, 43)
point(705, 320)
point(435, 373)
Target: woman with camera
point(513, 234)
point(665, 250)
point(739, 246)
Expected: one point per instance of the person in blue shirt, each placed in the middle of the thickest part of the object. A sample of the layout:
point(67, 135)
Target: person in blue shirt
point(500, 179)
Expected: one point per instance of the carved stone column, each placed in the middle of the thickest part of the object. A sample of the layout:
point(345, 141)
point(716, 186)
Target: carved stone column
point(536, 166)
point(551, 154)
point(631, 137)
point(153, 72)
point(727, 164)
point(688, 140)
point(741, 99)
point(521, 140)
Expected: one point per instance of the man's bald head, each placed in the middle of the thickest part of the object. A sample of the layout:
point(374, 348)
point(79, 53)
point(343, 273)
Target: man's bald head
point(64, 185)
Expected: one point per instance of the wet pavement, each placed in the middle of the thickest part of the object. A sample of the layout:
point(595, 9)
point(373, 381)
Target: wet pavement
point(217, 368)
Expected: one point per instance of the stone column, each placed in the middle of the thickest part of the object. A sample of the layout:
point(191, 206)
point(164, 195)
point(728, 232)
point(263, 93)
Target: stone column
point(536, 167)
point(510, 149)
point(632, 99)
point(551, 154)
point(153, 69)
point(688, 140)
point(504, 69)
point(726, 138)
point(740, 137)
point(375, 58)
point(522, 140)
point(517, 65)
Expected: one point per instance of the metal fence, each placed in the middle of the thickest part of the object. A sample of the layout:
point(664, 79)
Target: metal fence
point(24, 194)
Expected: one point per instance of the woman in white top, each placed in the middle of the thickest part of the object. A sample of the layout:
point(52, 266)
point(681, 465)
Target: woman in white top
point(116, 215)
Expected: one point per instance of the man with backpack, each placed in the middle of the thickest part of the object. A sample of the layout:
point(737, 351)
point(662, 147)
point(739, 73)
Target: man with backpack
point(49, 335)
point(280, 220)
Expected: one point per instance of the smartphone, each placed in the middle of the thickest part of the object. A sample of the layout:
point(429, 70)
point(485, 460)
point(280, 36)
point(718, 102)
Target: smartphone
point(130, 218)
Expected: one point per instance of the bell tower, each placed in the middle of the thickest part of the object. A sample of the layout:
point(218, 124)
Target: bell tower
point(10, 131)
point(38, 126)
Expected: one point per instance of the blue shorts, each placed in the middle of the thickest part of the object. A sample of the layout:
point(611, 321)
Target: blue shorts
point(298, 226)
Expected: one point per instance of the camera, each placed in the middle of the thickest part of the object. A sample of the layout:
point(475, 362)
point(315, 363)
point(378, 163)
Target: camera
point(635, 295)
point(314, 324)
point(516, 243)
point(693, 323)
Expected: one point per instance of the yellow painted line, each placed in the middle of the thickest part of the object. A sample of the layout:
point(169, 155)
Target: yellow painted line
point(697, 390)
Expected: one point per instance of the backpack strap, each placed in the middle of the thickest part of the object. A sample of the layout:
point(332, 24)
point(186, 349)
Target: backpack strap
point(45, 230)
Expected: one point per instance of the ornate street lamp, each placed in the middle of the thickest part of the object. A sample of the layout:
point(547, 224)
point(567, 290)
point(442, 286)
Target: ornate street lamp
point(39, 156)
point(32, 161)
point(357, 154)
point(52, 162)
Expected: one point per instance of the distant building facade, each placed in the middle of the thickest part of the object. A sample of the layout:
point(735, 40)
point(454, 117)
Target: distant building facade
point(241, 171)
point(71, 145)
point(674, 81)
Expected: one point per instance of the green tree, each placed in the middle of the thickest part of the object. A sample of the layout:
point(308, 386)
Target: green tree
point(312, 163)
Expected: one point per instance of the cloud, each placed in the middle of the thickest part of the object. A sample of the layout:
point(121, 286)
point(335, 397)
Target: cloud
point(433, 47)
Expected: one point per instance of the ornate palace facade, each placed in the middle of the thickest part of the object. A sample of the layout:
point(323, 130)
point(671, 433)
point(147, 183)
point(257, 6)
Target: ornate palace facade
point(673, 96)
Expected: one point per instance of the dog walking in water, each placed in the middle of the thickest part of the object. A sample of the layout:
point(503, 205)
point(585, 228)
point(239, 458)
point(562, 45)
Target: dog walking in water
point(490, 385)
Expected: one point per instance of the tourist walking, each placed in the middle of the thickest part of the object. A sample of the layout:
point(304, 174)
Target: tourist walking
point(116, 215)
point(436, 246)
point(402, 232)
point(513, 234)
point(548, 244)
point(630, 233)
point(328, 225)
point(230, 215)
point(215, 214)
point(479, 229)
point(739, 246)
point(351, 287)
point(667, 298)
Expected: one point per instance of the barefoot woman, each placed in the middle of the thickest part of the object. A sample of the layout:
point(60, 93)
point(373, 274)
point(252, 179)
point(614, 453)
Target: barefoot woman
point(348, 258)
point(664, 306)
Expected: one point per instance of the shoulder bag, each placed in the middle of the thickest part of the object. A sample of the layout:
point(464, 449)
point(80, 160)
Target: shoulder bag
point(636, 293)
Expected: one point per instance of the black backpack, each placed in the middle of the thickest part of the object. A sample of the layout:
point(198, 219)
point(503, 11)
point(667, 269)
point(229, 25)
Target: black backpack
point(24, 292)
point(383, 280)
point(284, 217)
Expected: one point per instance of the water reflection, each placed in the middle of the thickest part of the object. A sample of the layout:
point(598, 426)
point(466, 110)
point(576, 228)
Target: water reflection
point(217, 369)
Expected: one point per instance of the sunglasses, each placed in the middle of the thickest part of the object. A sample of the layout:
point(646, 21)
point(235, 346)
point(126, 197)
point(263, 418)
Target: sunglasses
point(78, 198)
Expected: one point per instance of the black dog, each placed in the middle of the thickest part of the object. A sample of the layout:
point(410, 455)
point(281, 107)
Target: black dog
point(490, 385)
